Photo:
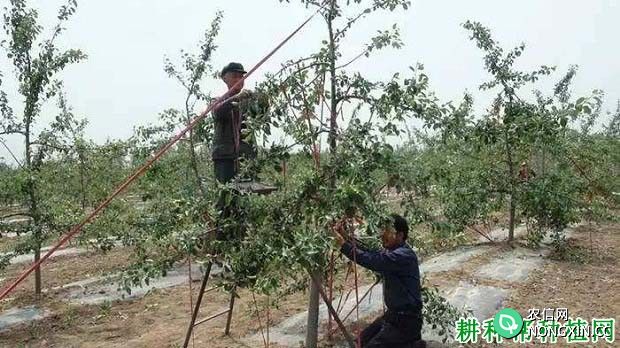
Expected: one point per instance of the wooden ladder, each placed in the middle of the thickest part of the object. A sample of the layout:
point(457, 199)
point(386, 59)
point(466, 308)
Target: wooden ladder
point(203, 290)
point(242, 186)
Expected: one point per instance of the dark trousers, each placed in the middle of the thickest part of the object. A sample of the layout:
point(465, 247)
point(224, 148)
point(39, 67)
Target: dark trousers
point(394, 330)
point(224, 170)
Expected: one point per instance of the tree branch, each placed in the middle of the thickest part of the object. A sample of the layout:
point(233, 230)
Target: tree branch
point(352, 60)
point(293, 64)
point(473, 228)
point(348, 97)
point(351, 21)
point(55, 147)
point(305, 67)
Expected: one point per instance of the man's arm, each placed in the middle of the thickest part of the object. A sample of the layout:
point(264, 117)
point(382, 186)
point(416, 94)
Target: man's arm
point(222, 111)
point(378, 261)
point(372, 260)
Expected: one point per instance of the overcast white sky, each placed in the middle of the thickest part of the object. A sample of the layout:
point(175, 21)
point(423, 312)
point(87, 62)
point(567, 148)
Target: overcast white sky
point(122, 84)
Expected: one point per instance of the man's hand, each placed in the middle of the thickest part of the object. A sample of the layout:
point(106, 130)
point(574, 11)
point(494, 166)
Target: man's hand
point(337, 231)
point(243, 94)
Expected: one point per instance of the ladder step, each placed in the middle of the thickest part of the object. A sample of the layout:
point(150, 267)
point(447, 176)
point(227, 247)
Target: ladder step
point(211, 317)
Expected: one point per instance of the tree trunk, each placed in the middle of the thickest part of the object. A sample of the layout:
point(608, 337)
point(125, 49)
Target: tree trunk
point(333, 126)
point(37, 271)
point(32, 203)
point(512, 183)
point(312, 327)
point(313, 305)
point(511, 219)
point(82, 178)
point(542, 165)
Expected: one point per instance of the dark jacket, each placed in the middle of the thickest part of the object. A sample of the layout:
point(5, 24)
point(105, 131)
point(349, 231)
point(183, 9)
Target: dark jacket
point(225, 118)
point(223, 134)
point(400, 270)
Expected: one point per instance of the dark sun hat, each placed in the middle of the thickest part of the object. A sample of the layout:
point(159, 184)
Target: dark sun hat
point(233, 67)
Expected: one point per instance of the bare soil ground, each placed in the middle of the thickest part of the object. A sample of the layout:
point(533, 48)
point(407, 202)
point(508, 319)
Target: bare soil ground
point(157, 320)
point(586, 283)
point(63, 270)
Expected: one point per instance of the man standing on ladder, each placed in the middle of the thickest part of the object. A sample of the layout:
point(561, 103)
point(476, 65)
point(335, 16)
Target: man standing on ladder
point(230, 139)
point(233, 142)
point(401, 325)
